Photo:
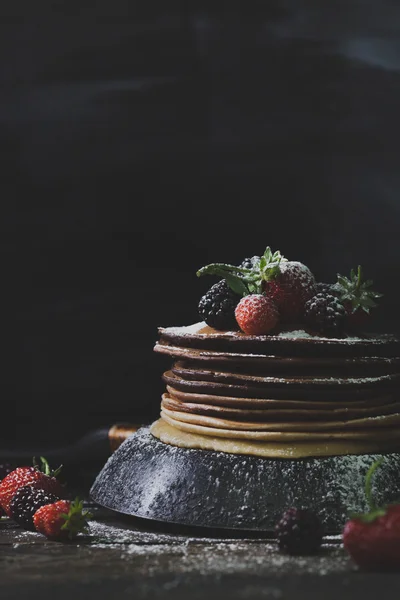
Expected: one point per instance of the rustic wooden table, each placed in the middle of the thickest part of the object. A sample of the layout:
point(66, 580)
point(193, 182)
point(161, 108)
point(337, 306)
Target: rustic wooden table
point(128, 558)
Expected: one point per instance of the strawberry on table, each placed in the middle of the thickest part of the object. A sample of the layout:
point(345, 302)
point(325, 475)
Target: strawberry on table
point(373, 539)
point(62, 520)
point(5, 469)
point(22, 476)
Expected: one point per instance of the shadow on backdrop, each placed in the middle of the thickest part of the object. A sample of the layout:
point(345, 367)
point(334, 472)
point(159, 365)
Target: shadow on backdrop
point(140, 144)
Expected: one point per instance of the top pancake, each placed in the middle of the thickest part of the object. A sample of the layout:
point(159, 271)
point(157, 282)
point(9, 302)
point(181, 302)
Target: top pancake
point(297, 343)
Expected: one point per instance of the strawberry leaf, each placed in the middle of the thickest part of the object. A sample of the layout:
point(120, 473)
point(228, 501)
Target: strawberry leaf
point(44, 467)
point(244, 280)
point(76, 520)
point(236, 284)
point(356, 292)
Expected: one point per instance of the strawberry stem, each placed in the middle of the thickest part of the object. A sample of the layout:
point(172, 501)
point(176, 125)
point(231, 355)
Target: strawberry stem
point(359, 278)
point(76, 520)
point(44, 467)
point(368, 484)
point(374, 511)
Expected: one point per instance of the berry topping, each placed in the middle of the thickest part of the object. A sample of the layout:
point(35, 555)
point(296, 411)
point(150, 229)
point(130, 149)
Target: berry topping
point(248, 263)
point(256, 314)
point(217, 306)
point(324, 313)
point(26, 502)
point(62, 520)
point(357, 297)
point(289, 283)
point(250, 278)
point(299, 531)
point(325, 288)
point(373, 539)
point(291, 286)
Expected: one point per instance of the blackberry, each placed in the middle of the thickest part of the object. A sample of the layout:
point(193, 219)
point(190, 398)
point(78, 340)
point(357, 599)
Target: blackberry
point(248, 263)
point(325, 288)
point(299, 531)
point(325, 314)
point(26, 501)
point(217, 306)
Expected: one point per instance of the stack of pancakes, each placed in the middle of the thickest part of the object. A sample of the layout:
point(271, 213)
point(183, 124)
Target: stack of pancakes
point(287, 395)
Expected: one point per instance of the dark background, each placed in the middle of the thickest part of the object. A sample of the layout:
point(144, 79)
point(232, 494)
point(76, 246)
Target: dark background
point(140, 141)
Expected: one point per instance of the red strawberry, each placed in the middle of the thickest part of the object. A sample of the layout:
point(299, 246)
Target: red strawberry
point(289, 283)
point(357, 319)
point(290, 288)
point(22, 476)
point(373, 539)
point(256, 314)
point(61, 520)
point(5, 469)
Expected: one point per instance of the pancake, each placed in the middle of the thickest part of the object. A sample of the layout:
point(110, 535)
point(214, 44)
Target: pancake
point(275, 389)
point(240, 414)
point(259, 363)
point(287, 343)
point(227, 377)
point(389, 432)
point(282, 426)
point(272, 403)
point(174, 436)
point(290, 389)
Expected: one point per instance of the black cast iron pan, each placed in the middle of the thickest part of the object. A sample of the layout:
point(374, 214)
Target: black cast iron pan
point(200, 488)
point(142, 477)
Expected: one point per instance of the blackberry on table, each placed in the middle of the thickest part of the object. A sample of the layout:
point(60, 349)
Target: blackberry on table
point(217, 306)
point(325, 314)
point(26, 501)
point(299, 531)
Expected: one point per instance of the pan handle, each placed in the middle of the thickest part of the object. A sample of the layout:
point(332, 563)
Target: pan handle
point(95, 445)
point(119, 432)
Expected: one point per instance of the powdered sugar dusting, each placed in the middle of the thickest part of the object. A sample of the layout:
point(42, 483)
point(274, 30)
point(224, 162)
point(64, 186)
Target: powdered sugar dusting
point(215, 555)
point(201, 329)
point(296, 333)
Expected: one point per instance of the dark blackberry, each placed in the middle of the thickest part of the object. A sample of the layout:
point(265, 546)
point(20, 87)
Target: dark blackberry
point(217, 306)
point(26, 501)
point(299, 531)
point(248, 263)
point(326, 288)
point(325, 314)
